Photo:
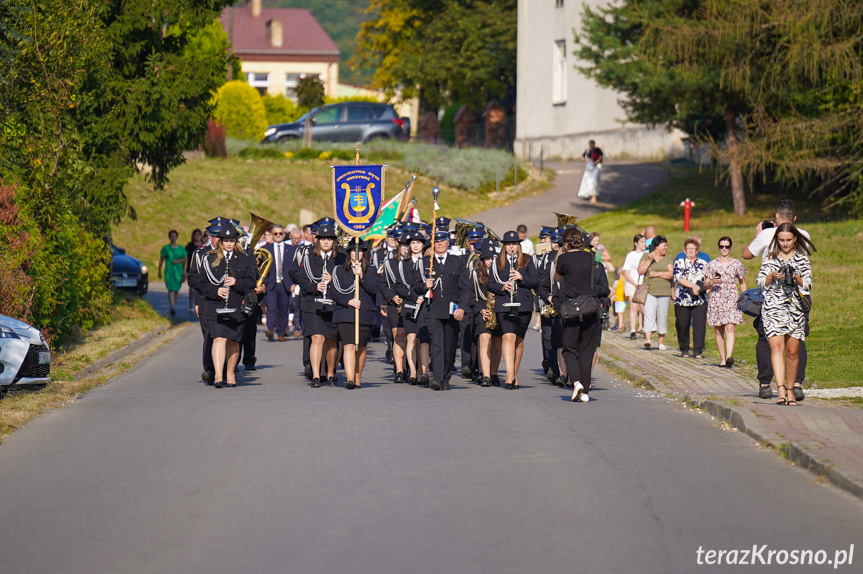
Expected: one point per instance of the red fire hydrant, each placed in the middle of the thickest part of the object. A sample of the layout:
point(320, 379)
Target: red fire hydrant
point(687, 205)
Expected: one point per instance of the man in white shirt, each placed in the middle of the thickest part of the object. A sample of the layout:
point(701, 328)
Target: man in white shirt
point(785, 212)
point(279, 285)
point(526, 244)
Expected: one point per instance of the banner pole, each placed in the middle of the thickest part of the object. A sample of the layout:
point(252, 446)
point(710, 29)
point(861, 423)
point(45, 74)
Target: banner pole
point(357, 283)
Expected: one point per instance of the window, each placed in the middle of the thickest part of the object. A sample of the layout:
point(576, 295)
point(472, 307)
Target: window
point(558, 3)
point(329, 116)
point(559, 83)
point(259, 81)
point(291, 81)
point(359, 113)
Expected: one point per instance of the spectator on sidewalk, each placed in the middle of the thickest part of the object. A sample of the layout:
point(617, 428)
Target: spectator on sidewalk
point(634, 279)
point(603, 257)
point(723, 275)
point(173, 256)
point(526, 244)
point(618, 297)
point(785, 271)
point(649, 233)
point(690, 303)
point(590, 182)
point(196, 242)
point(701, 255)
point(657, 269)
point(765, 231)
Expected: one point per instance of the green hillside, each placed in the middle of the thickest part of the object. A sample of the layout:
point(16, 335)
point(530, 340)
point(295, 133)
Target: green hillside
point(341, 19)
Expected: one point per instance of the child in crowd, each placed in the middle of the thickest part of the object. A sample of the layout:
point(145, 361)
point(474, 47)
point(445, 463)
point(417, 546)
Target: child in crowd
point(619, 300)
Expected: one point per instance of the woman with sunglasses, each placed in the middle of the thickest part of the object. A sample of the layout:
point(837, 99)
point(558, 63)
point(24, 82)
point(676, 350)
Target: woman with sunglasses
point(723, 275)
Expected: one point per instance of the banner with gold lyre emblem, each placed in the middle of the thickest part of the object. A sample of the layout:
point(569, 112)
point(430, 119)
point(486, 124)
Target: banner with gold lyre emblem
point(358, 193)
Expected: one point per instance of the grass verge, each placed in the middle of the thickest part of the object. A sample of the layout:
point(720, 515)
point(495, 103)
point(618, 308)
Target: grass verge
point(274, 189)
point(130, 319)
point(836, 336)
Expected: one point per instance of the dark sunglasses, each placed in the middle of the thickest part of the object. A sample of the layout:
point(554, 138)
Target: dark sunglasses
point(725, 247)
point(278, 233)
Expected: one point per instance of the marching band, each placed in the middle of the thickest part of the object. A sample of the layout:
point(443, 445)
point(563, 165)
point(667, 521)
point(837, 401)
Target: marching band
point(466, 289)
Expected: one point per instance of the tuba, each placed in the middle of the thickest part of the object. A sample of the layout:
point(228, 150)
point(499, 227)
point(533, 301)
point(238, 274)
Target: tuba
point(263, 258)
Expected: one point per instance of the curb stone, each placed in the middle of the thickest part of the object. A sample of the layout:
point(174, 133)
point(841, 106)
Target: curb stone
point(122, 352)
point(745, 421)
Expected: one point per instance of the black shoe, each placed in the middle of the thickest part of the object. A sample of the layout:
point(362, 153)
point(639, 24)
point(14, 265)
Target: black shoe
point(495, 381)
point(551, 375)
point(632, 335)
point(467, 373)
point(485, 382)
point(729, 361)
point(333, 382)
point(400, 378)
point(435, 386)
point(316, 383)
point(560, 382)
point(445, 386)
point(798, 393)
point(350, 385)
point(507, 386)
point(217, 384)
point(207, 377)
point(389, 357)
point(308, 372)
point(412, 381)
point(251, 368)
point(765, 392)
point(546, 365)
point(424, 380)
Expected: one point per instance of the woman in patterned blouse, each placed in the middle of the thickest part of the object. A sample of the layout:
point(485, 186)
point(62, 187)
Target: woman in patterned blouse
point(784, 271)
point(690, 304)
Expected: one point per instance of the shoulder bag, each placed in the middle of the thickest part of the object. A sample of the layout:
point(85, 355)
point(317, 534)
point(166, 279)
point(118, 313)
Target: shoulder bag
point(577, 308)
point(750, 302)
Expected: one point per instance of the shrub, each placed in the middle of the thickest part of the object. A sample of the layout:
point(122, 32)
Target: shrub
point(240, 109)
point(214, 140)
point(310, 92)
point(280, 109)
point(306, 153)
point(260, 153)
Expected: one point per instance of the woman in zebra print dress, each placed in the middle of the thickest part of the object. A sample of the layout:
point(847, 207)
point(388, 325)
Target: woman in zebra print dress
point(782, 312)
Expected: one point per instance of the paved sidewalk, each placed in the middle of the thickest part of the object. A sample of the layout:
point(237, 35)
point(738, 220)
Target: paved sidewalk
point(818, 434)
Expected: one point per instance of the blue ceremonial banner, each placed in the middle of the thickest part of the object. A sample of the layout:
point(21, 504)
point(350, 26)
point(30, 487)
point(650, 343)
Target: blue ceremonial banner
point(358, 192)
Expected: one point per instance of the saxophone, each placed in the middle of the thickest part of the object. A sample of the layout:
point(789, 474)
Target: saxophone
point(491, 322)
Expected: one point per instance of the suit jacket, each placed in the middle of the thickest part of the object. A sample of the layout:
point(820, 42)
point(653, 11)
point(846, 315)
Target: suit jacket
point(452, 285)
point(287, 260)
point(523, 294)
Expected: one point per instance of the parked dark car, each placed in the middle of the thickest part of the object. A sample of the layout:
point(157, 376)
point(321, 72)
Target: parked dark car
point(128, 273)
point(347, 122)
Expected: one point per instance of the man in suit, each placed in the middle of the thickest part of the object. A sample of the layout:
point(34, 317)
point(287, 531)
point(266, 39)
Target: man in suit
point(279, 284)
point(450, 289)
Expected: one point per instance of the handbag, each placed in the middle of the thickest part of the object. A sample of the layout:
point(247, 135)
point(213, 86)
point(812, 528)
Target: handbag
point(577, 308)
point(247, 307)
point(640, 295)
point(750, 302)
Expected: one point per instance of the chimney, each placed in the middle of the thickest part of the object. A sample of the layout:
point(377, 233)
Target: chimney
point(255, 8)
point(274, 33)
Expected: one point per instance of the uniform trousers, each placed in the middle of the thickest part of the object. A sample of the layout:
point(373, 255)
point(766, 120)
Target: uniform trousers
point(444, 342)
point(549, 353)
point(468, 343)
point(248, 342)
point(579, 346)
point(207, 354)
point(762, 355)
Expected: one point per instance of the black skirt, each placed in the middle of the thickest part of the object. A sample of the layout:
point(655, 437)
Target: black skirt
point(480, 329)
point(518, 324)
point(395, 319)
point(346, 334)
point(320, 323)
point(225, 327)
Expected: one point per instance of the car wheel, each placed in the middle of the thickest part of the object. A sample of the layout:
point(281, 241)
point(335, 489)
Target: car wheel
point(376, 137)
point(287, 139)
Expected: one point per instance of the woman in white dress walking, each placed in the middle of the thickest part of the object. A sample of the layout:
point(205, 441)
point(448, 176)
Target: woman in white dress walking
point(590, 182)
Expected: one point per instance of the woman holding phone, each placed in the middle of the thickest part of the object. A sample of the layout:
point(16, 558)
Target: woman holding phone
point(723, 275)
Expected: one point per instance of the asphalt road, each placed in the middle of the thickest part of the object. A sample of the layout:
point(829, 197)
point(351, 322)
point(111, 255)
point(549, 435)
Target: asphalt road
point(156, 472)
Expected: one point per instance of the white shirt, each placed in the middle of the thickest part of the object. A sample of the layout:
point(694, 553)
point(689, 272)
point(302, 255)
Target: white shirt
point(527, 246)
point(761, 244)
point(631, 264)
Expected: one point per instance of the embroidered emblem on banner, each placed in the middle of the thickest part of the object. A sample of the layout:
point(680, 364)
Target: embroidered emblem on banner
point(358, 192)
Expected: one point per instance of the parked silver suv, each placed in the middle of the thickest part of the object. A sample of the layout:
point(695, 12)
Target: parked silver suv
point(348, 122)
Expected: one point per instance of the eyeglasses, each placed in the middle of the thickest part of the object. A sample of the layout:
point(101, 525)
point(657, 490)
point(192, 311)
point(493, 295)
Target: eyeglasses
point(725, 247)
point(278, 233)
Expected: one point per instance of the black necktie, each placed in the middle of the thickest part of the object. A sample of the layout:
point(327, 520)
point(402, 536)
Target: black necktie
point(439, 261)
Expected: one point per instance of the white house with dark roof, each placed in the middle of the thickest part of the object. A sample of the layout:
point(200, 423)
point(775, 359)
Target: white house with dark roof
point(278, 46)
point(559, 109)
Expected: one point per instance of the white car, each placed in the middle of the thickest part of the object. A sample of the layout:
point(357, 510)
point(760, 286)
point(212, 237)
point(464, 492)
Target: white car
point(25, 357)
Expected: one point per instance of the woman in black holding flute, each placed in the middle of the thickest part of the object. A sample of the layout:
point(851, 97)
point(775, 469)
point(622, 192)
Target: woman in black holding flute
point(314, 277)
point(227, 274)
point(511, 278)
point(347, 301)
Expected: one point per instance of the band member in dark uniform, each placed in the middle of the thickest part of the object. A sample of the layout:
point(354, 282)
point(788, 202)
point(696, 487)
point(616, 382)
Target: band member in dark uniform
point(488, 341)
point(395, 293)
point(512, 277)
point(347, 300)
point(469, 360)
point(249, 341)
point(294, 276)
point(450, 290)
point(225, 277)
point(573, 270)
point(314, 278)
point(194, 268)
point(411, 271)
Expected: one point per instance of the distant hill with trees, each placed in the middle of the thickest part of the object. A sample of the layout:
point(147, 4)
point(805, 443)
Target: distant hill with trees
point(341, 19)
